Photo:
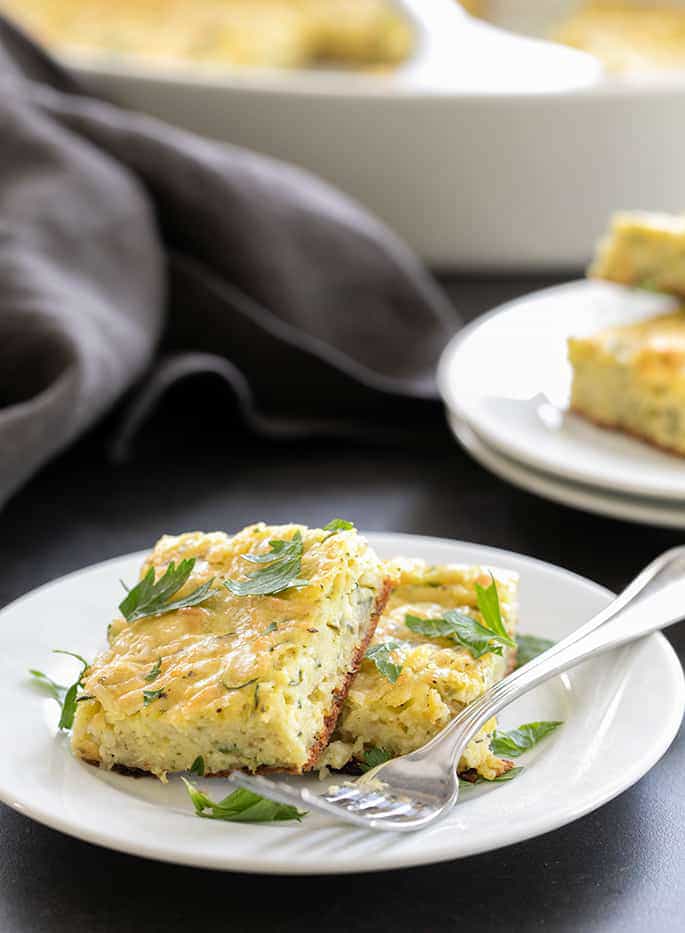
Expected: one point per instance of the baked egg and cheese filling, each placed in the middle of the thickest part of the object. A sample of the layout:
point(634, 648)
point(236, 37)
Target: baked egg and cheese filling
point(247, 681)
point(645, 250)
point(628, 35)
point(258, 33)
point(399, 705)
point(632, 377)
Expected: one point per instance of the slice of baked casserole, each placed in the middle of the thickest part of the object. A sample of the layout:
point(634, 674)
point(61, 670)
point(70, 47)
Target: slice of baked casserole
point(254, 673)
point(644, 250)
point(632, 377)
point(412, 683)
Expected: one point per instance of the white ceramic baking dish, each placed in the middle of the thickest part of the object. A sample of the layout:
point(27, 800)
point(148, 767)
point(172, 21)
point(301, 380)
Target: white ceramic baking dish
point(487, 150)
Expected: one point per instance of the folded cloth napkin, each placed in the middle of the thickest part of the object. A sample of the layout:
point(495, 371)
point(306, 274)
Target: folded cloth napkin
point(117, 231)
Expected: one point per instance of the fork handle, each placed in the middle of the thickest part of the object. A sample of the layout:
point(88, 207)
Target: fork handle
point(654, 600)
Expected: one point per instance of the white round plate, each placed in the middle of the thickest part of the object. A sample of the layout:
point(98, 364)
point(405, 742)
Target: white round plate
point(609, 732)
point(508, 377)
point(643, 511)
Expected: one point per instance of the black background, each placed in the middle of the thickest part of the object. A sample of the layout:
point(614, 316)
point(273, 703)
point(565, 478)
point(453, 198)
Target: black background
point(620, 868)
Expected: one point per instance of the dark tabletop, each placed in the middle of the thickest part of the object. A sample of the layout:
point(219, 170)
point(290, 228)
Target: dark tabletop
point(620, 868)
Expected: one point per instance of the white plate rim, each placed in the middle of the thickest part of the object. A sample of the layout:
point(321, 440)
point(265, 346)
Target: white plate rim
point(529, 455)
point(643, 512)
point(669, 727)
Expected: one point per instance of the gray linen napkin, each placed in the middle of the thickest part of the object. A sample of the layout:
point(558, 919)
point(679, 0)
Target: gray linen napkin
point(116, 229)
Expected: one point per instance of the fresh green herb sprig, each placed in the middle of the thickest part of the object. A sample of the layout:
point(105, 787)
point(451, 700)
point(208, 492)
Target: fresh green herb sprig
point(284, 559)
point(380, 655)
point(149, 696)
point(373, 757)
point(518, 741)
point(529, 647)
point(229, 688)
point(198, 766)
point(242, 806)
point(153, 597)
point(489, 607)
point(336, 525)
point(67, 697)
point(154, 672)
point(478, 638)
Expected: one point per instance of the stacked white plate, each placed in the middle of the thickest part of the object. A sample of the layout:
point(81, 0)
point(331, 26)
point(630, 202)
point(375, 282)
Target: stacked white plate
point(506, 382)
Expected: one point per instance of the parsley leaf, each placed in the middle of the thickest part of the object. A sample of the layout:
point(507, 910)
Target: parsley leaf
point(198, 766)
point(500, 779)
point(242, 806)
point(373, 757)
point(461, 628)
point(66, 720)
point(336, 525)
point(149, 696)
point(154, 672)
point(66, 696)
point(519, 740)
point(380, 655)
point(478, 638)
point(55, 690)
point(247, 683)
point(488, 604)
point(285, 563)
point(152, 597)
point(529, 647)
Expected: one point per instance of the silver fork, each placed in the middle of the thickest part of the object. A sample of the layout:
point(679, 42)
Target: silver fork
point(412, 791)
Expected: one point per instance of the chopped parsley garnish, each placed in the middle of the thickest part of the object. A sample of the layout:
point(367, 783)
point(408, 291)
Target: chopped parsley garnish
point(529, 647)
point(66, 696)
point(488, 604)
point(153, 597)
point(518, 741)
point(478, 638)
point(198, 766)
point(55, 690)
point(271, 627)
point(336, 525)
point(373, 757)
point(238, 686)
point(380, 655)
point(284, 559)
point(242, 806)
point(154, 672)
point(149, 696)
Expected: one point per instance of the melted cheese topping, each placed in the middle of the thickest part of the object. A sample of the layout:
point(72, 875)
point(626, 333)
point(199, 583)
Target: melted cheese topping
point(246, 681)
point(438, 678)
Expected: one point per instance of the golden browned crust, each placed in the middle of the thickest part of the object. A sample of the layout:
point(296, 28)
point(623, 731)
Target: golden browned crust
point(619, 429)
point(329, 722)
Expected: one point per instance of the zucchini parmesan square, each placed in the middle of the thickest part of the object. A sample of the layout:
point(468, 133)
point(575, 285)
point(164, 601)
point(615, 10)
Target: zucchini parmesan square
point(643, 250)
point(232, 652)
point(632, 378)
point(434, 651)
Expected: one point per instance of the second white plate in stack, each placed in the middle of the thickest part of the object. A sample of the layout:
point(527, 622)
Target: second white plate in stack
point(505, 380)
